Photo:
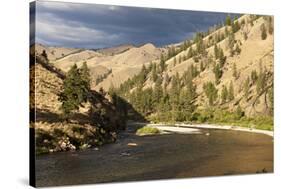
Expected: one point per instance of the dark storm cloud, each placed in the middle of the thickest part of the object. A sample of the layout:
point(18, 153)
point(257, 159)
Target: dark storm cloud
point(96, 26)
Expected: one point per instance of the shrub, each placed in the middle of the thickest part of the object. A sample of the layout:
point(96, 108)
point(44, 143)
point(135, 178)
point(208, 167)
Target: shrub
point(147, 131)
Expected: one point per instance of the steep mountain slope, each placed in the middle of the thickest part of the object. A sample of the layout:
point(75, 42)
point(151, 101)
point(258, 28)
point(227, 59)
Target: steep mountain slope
point(94, 124)
point(240, 77)
point(254, 52)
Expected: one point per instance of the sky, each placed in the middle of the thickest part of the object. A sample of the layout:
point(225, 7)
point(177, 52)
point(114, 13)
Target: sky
point(99, 26)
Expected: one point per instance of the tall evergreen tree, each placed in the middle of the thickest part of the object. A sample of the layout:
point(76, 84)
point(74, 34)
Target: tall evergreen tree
point(254, 76)
point(157, 92)
point(261, 81)
point(202, 67)
point(263, 32)
point(228, 20)
point(211, 92)
point(231, 92)
point(224, 94)
point(218, 73)
point(216, 51)
point(85, 75)
point(247, 87)
point(222, 58)
point(234, 71)
point(75, 91)
point(162, 64)
point(154, 73)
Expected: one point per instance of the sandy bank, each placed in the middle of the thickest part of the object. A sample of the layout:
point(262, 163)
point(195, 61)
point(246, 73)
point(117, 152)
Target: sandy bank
point(195, 129)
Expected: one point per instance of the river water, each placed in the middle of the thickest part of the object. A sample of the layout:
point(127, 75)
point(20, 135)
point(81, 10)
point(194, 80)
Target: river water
point(220, 152)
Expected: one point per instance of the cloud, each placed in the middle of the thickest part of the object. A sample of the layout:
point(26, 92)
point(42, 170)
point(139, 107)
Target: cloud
point(54, 31)
point(97, 26)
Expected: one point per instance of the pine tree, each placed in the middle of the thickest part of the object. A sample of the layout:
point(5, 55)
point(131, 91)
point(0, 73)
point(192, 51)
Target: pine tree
point(167, 81)
point(228, 20)
point(149, 67)
point(186, 101)
point(174, 96)
point(154, 73)
point(85, 75)
point(216, 51)
point(235, 26)
point(75, 91)
point(237, 49)
point(211, 92)
point(254, 76)
point(261, 81)
point(239, 113)
point(247, 87)
point(157, 92)
point(222, 58)
point(162, 64)
point(263, 32)
point(141, 77)
point(224, 94)
point(231, 92)
point(234, 71)
point(218, 73)
point(202, 67)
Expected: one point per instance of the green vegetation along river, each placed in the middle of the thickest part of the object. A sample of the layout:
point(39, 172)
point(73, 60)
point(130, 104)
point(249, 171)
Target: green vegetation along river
point(212, 152)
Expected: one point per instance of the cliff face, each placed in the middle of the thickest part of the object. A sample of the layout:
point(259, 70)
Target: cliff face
point(93, 124)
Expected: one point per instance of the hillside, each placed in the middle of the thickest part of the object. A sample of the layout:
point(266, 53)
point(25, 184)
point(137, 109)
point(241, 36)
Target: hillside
point(115, 50)
point(95, 123)
point(53, 53)
point(254, 52)
point(110, 66)
point(227, 69)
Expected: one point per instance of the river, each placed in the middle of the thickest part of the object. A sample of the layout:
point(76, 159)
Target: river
point(212, 152)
